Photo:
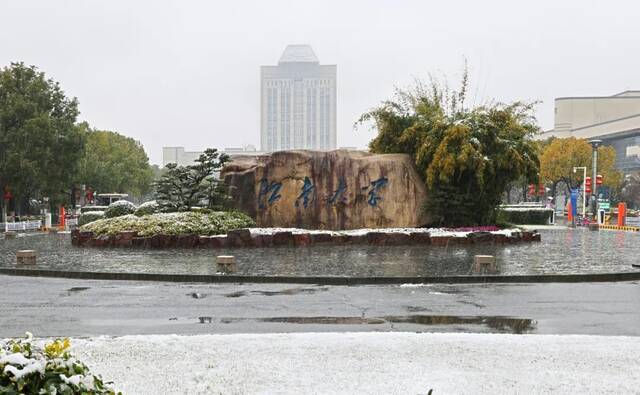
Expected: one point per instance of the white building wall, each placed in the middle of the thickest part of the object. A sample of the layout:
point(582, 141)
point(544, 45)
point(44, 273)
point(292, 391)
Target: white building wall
point(574, 113)
point(614, 119)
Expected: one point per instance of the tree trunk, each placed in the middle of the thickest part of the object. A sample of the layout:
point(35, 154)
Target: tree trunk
point(73, 197)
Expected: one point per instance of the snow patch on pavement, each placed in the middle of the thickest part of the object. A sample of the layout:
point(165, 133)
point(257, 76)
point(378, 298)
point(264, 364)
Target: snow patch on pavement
point(365, 363)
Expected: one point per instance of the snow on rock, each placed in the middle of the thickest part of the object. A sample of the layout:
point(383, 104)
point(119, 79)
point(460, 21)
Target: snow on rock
point(386, 363)
point(434, 232)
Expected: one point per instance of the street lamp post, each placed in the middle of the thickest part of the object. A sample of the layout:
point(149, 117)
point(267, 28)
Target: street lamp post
point(594, 195)
point(584, 193)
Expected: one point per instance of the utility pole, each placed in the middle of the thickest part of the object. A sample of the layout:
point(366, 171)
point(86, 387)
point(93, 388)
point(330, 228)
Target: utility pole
point(594, 189)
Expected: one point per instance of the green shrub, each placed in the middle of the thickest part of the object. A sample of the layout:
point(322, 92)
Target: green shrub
point(181, 223)
point(119, 208)
point(27, 368)
point(90, 216)
point(147, 208)
point(525, 216)
point(86, 209)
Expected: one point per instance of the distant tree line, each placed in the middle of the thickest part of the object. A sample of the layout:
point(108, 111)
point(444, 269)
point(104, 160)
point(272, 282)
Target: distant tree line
point(45, 152)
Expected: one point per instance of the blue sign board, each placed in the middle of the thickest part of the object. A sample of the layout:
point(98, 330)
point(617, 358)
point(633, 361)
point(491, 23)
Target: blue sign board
point(574, 202)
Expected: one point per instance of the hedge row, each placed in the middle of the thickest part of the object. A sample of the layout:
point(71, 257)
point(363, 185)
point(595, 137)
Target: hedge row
point(526, 217)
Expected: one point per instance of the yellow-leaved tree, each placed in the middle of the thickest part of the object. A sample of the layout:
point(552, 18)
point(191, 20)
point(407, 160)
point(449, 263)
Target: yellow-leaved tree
point(560, 156)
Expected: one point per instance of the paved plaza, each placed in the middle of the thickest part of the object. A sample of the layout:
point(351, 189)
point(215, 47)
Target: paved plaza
point(64, 307)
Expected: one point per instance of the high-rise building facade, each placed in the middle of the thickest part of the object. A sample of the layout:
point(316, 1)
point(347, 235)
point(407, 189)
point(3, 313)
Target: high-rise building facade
point(298, 102)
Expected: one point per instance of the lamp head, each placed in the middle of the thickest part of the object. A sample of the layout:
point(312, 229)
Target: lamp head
point(595, 143)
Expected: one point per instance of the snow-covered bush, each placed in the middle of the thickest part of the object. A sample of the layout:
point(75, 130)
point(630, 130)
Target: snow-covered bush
point(182, 223)
point(90, 216)
point(28, 368)
point(147, 208)
point(119, 208)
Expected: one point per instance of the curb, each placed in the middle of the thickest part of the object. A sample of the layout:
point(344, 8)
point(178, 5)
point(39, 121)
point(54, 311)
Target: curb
point(625, 228)
point(326, 280)
point(243, 238)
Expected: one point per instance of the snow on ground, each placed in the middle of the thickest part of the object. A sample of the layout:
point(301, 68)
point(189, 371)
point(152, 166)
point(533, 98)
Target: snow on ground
point(382, 363)
point(438, 232)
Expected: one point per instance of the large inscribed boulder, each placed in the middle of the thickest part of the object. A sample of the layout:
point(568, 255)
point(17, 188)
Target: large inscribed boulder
point(327, 190)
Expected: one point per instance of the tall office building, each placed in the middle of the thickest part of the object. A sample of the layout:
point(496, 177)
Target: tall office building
point(298, 102)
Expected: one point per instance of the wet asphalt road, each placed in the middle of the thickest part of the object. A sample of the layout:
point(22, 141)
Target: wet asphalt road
point(64, 307)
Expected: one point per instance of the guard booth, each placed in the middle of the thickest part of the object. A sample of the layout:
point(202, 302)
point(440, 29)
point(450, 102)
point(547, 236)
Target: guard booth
point(604, 209)
point(601, 216)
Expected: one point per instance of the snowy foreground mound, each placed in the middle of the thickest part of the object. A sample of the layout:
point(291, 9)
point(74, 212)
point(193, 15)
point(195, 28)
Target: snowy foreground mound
point(403, 363)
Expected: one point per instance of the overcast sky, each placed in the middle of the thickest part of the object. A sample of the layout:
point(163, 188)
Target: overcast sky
point(187, 73)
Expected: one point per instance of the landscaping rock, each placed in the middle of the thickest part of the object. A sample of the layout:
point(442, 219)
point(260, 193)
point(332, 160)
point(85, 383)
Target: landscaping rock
point(397, 239)
point(283, 239)
point(163, 241)
point(463, 240)
point(10, 235)
point(334, 190)
point(302, 239)
point(203, 241)
point(124, 239)
point(262, 240)
point(376, 238)
point(103, 241)
point(26, 257)
point(419, 238)
point(74, 237)
point(441, 241)
point(342, 239)
point(239, 238)
point(186, 241)
point(388, 239)
point(83, 238)
point(480, 237)
point(320, 238)
point(218, 242)
point(141, 242)
point(244, 238)
point(500, 239)
point(358, 239)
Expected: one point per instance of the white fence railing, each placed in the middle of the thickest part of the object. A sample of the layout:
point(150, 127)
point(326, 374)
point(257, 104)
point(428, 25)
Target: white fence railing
point(20, 226)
